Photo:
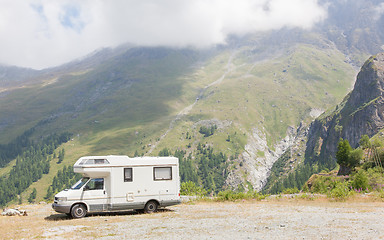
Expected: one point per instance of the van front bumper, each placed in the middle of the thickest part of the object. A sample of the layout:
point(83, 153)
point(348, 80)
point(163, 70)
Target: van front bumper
point(61, 208)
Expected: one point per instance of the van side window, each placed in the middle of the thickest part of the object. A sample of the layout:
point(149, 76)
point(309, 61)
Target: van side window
point(95, 184)
point(128, 175)
point(162, 173)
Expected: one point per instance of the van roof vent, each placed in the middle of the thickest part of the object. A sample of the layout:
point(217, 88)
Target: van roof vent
point(93, 161)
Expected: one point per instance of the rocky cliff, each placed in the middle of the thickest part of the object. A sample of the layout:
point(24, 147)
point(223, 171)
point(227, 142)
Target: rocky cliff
point(361, 112)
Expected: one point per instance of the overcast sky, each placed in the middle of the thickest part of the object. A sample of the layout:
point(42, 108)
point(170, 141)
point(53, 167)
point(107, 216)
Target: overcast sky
point(45, 33)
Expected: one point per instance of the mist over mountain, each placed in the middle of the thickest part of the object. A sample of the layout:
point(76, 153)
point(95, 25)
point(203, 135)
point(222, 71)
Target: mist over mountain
point(355, 25)
point(11, 75)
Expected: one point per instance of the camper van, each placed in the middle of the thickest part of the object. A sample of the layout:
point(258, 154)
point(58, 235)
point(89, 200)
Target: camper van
point(115, 183)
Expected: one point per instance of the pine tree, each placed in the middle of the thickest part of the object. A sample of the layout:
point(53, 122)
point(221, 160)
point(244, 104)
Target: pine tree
point(32, 196)
point(343, 151)
point(49, 193)
point(61, 155)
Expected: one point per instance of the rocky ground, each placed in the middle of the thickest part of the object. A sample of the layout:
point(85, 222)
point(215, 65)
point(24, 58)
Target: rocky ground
point(272, 219)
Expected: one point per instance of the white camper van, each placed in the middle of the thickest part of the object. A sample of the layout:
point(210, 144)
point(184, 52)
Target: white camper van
point(113, 183)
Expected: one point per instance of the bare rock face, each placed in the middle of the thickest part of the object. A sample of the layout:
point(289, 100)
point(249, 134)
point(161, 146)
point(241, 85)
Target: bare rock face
point(361, 112)
point(258, 158)
point(258, 166)
point(369, 84)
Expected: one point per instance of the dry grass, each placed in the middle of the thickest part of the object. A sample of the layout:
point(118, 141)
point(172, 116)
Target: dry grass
point(205, 219)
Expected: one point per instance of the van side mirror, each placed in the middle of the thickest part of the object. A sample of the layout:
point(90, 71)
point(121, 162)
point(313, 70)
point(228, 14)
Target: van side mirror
point(85, 188)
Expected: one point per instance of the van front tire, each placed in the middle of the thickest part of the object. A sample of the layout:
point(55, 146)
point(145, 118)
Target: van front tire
point(151, 207)
point(78, 211)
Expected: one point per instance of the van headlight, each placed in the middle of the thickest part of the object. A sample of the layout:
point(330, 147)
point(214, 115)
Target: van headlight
point(61, 199)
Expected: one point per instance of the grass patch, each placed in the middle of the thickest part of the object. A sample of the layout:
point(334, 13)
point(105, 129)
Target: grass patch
point(229, 195)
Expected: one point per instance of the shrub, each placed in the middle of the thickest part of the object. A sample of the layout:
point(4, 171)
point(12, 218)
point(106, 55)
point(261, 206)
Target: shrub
point(360, 181)
point(229, 195)
point(340, 192)
point(305, 188)
point(376, 178)
point(323, 184)
point(354, 157)
point(319, 185)
point(190, 189)
point(291, 190)
point(380, 194)
point(368, 165)
point(306, 196)
point(347, 157)
point(364, 142)
point(257, 196)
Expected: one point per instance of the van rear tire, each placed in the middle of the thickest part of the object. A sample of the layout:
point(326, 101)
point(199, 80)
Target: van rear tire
point(151, 207)
point(78, 211)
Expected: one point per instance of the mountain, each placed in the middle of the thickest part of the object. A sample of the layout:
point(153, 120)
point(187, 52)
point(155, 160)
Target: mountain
point(256, 95)
point(86, 93)
point(360, 113)
point(355, 27)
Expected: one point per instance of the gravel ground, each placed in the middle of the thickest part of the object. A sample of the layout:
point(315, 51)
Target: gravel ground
point(210, 220)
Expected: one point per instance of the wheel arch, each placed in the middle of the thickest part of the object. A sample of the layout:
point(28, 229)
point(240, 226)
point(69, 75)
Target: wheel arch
point(153, 200)
point(82, 203)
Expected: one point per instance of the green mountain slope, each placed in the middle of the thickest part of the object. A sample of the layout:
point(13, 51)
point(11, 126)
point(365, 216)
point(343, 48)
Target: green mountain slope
point(148, 99)
point(135, 87)
point(269, 97)
point(259, 92)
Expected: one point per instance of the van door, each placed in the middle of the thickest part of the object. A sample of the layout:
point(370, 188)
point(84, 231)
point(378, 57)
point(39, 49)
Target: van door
point(94, 195)
point(163, 175)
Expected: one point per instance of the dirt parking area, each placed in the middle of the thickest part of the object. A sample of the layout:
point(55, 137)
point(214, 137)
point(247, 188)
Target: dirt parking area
point(209, 220)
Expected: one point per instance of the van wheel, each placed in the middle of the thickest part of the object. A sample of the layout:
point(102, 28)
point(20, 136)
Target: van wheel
point(150, 207)
point(78, 211)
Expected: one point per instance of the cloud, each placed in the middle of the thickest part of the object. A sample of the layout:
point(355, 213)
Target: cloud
point(44, 33)
point(378, 11)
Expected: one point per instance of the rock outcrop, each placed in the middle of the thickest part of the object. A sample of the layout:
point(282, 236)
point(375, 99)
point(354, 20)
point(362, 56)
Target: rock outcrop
point(360, 113)
point(258, 158)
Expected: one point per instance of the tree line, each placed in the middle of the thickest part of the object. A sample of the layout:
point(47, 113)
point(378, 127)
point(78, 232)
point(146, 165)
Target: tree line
point(203, 167)
point(65, 178)
point(208, 131)
point(30, 166)
point(294, 180)
point(9, 151)
point(347, 158)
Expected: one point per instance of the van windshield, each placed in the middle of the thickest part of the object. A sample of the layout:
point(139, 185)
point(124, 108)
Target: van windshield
point(80, 183)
